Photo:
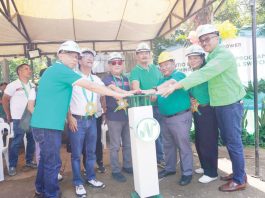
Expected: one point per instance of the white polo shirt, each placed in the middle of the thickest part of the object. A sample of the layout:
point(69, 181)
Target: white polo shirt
point(19, 100)
point(78, 101)
point(32, 95)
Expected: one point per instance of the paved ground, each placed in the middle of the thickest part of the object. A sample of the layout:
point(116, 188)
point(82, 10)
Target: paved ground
point(22, 185)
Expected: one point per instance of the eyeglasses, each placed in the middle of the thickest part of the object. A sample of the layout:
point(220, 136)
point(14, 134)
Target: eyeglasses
point(207, 39)
point(116, 62)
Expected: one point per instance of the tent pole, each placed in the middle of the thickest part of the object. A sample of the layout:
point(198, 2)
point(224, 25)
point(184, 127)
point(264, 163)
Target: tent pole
point(255, 84)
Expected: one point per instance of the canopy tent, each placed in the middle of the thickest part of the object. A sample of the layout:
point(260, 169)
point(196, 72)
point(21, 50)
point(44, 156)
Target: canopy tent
point(103, 25)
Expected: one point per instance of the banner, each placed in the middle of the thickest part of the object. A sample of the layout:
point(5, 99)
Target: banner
point(241, 47)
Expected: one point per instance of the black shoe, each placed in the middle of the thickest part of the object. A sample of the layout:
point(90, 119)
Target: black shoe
point(101, 169)
point(164, 173)
point(128, 170)
point(118, 177)
point(185, 180)
point(31, 165)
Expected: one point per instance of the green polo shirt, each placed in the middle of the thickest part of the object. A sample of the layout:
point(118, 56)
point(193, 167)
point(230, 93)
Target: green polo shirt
point(200, 93)
point(221, 73)
point(176, 102)
point(148, 78)
point(53, 97)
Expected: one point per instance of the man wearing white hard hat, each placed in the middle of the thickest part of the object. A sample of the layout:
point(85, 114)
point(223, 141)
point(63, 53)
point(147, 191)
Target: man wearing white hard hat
point(117, 118)
point(146, 75)
point(226, 92)
point(48, 118)
point(82, 126)
point(205, 122)
point(90, 55)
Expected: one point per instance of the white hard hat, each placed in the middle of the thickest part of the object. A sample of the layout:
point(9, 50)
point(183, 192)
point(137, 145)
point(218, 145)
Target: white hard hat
point(115, 55)
point(143, 47)
point(88, 50)
point(206, 29)
point(69, 46)
point(194, 50)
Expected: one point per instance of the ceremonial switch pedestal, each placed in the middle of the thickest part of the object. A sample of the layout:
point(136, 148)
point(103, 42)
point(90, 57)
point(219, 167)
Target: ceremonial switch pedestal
point(144, 130)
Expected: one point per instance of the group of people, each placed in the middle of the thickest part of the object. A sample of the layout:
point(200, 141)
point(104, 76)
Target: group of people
point(68, 90)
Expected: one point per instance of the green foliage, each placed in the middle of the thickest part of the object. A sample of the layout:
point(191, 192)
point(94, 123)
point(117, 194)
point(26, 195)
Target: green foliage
point(13, 65)
point(262, 125)
point(260, 11)
point(239, 13)
point(178, 39)
point(37, 64)
point(250, 89)
point(232, 11)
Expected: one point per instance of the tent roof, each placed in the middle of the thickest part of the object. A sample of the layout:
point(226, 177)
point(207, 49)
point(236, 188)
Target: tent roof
point(104, 25)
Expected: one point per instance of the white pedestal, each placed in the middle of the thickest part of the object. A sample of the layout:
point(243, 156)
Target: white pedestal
point(143, 155)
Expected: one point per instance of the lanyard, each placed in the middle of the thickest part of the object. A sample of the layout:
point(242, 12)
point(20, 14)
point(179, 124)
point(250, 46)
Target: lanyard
point(92, 93)
point(25, 89)
point(116, 83)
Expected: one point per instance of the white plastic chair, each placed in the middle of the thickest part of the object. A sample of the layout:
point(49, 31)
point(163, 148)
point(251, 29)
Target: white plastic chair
point(4, 148)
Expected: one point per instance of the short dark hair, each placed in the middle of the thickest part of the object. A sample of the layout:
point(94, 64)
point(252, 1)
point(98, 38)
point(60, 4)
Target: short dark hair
point(42, 71)
point(20, 66)
point(3, 83)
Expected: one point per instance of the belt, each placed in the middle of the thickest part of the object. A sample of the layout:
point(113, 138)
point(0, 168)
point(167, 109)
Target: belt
point(179, 113)
point(79, 117)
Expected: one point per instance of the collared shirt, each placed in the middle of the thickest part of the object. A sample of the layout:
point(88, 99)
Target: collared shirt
point(176, 102)
point(79, 101)
point(19, 97)
point(200, 93)
point(53, 97)
point(221, 73)
point(147, 78)
point(111, 102)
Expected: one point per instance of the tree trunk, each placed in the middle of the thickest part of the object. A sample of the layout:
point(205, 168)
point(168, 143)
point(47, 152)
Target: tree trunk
point(204, 16)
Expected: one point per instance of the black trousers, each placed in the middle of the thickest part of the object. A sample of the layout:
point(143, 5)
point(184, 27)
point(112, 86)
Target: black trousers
point(206, 139)
point(99, 152)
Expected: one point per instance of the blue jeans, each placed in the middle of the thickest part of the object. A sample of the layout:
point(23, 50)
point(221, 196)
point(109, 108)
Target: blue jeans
point(16, 143)
point(50, 162)
point(159, 143)
point(229, 118)
point(85, 135)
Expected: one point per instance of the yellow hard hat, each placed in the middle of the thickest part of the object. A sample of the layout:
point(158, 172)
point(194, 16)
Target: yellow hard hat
point(165, 56)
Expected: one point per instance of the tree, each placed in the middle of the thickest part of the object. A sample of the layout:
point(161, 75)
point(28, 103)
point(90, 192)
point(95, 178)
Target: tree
point(238, 12)
point(235, 11)
point(260, 12)
point(37, 65)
